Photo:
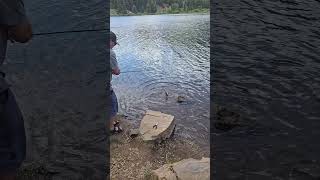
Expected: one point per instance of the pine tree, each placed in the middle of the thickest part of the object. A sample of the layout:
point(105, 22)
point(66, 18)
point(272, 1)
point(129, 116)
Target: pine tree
point(121, 7)
point(134, 9)
point(150, 6)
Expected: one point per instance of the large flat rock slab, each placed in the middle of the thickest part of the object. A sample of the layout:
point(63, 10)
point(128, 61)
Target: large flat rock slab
point(187, 169)
point(156, 125)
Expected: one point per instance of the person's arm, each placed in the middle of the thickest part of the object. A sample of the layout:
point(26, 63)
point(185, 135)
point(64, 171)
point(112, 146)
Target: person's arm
point(21, 33)
point(114, 64)
point(14, 19)
point(116, 71)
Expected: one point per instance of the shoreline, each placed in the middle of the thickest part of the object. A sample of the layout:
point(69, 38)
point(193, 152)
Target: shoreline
point(130, 158)
point(182, 13)
point(126, 154)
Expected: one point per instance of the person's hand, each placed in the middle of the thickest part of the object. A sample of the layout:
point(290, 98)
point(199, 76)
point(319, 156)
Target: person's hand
point(116, 71)
point(21, 33)
point(10, 38)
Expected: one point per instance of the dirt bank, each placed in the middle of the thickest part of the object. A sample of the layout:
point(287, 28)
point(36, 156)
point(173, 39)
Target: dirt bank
point(131, 158)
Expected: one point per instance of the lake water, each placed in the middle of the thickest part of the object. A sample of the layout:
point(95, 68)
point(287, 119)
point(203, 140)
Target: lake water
point(65, 116)
point(168, 53)
point(266, 65)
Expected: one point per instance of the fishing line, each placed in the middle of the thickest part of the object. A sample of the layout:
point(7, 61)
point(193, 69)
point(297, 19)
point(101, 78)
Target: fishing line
point(133, 71)
point(49, 33)
point(70, 31)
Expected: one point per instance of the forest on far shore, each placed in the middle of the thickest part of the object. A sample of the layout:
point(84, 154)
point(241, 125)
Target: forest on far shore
point(135, 7)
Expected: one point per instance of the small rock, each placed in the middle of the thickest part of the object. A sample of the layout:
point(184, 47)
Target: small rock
point(133, 133)
point(187, 169)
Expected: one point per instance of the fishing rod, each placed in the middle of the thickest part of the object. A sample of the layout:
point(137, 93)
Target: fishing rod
point(70, 31)
point(105, 71)
point(133, 71)
point(49, 33)
point(64, 32)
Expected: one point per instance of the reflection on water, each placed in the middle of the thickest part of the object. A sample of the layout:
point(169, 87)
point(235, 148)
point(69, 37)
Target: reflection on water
point(171, 54)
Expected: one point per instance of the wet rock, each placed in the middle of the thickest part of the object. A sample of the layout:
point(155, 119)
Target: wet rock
point(156, 126)
point(187, 169)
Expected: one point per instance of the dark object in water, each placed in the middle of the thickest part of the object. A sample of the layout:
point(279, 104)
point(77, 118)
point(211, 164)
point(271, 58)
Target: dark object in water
point(181, 99)
point(226, 120)
point(166, 93)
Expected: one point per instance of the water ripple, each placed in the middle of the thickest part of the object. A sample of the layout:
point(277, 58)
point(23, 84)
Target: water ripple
point(172, 55)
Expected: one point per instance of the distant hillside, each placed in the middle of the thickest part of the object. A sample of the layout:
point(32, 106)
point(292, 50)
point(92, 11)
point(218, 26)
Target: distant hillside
point(127, 7)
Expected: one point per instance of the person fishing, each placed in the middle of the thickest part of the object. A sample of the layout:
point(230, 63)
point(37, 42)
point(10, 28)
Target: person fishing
point(114, 124)
point(14, 26)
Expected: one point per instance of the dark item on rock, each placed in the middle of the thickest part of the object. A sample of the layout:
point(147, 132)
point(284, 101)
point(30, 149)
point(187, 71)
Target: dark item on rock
point(226, 120)
point(155, 126)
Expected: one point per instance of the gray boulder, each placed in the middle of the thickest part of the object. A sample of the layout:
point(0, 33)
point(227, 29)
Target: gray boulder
point(156, 126)
point(187, 169)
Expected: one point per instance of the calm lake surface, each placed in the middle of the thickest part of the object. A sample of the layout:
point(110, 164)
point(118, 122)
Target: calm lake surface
point(65, 116)
point(266, 68)
point(169, 53)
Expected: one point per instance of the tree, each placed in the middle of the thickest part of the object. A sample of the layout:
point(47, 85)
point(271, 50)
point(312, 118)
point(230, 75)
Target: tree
point(153, 6)
point(150, 6)
point(121, 8)
point(175, 6)
point(134, 9)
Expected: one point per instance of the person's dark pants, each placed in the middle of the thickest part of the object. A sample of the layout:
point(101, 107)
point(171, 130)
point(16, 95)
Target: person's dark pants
point(114, 104)
point(12, 134)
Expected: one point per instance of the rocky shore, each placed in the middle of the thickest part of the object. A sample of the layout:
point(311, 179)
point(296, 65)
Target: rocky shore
point(131, 158)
